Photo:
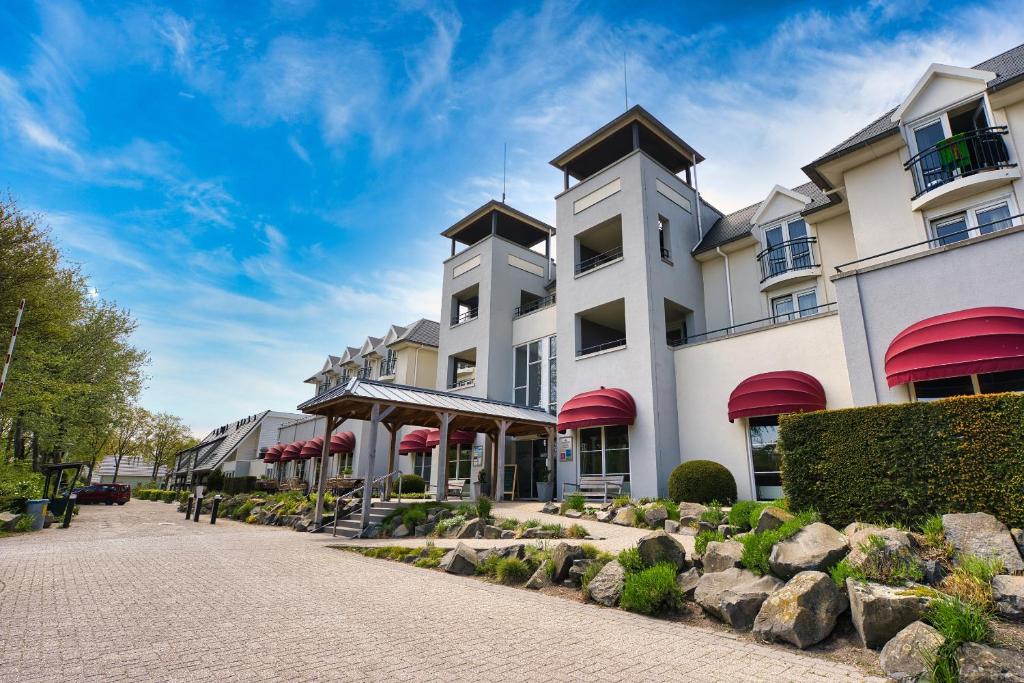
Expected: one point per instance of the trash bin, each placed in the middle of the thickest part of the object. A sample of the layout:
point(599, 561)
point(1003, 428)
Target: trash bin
point(37, 509)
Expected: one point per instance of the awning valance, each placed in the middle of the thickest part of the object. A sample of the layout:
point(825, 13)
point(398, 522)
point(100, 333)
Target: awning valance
point(343, 442)
point(599, 408)
point(454, 437)
point(415, 442)
point(972, 341)
point(313, 448)
point(291, 451)
point(273, 454)
point(776, 393)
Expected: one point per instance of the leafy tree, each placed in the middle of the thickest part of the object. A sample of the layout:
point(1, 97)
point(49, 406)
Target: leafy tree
point(130, 424)
point(166, 435)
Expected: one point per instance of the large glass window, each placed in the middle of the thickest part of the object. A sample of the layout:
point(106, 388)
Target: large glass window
point(997, 382)
point(980, 220)
point(604, 451)
point(764, 435)
point(533, 373)
point(459, 461)
point(793, 306)
point(988, 383)
point(552, 374)
point(344, 463)
point(421, 465)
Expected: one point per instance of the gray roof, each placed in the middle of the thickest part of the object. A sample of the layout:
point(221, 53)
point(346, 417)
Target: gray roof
point(218, 444)
point(131, 466)
point(736, 225)
point(423, 331)
point(1008, 67)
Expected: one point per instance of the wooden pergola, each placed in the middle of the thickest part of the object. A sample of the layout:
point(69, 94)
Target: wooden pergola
point(395, 406)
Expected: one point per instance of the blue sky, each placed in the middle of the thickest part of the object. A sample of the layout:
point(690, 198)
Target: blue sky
point(264, 187)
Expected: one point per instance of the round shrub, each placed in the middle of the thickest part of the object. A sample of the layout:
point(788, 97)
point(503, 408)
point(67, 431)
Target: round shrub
point(512, 570)
point(651, 591)
point(413, 483)
point(168, 496)
point(701, 481)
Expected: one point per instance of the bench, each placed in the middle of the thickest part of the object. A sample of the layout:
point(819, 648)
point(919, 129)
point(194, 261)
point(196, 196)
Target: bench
point(458, 487)
point(596, 487)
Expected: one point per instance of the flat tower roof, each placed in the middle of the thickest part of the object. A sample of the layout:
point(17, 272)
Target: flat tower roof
point(502, 220)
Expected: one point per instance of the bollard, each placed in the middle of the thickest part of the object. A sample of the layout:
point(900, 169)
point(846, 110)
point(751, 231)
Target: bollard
point(199, 507)
point(213, 513)
point(188, 506)
point(69, 509)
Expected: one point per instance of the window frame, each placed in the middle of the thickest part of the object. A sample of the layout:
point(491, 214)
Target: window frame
point(970, 214)
point(750, 455)
point(604, 452)
point(975, 385)
point(459, 460)
point(794, 298)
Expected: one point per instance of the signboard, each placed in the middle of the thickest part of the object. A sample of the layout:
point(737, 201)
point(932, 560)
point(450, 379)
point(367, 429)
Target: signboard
point(478, 455)
point(509, 482)
point(565, 449)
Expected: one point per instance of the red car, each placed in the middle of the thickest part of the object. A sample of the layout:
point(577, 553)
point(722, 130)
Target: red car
point(104, 493)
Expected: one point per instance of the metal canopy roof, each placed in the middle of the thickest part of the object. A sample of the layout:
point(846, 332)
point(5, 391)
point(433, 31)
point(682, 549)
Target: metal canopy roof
point(416, 406)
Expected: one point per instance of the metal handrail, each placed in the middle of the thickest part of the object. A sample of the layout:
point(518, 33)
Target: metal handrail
point(458, 384)
point(471, 314)
point(935, 242)
point(535, 305)
point(615, 343)
point(791, 259)
point(388, 368)
point(759, 323)
point(962, 154)
point(595, 261)
point(351, 494)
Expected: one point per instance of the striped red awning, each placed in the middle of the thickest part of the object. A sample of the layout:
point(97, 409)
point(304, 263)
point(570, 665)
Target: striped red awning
point(291, 451)
point(313, 448)
point(343, 442)
point(599, 408)
point(273, 454)
point(968, 342)
point(457, 437)
point(776, 393)
point(415, 442)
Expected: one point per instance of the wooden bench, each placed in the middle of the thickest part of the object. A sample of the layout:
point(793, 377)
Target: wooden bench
point(595, 487)
point(458, 487)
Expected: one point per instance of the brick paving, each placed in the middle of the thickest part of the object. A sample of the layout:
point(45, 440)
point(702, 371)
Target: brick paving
point(137, 593)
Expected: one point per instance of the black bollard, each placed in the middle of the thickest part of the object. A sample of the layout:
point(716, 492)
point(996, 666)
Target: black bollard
point(188, 506)
point(213, 513)
point(69, 509)
point(199, 507)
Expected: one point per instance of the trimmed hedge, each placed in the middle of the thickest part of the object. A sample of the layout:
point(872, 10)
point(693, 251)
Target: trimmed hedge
point(234, 485)
point(701, 481)
point(907, 461)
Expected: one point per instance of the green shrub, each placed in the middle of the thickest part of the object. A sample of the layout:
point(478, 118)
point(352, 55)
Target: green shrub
point(168, 496)
point(632, 561)
point(483, 507)
point(758, 547)
point(576, 531)
point(590, 572)
point(652, 590)
point(18, 484)
point(671, 508)
point(971, 580)
point(934, 532)
point(508, 524)
point(512, 570)
point(574, 501)
point(959, 622)
point(24, 524)
point(844, 570)
point(713, 514)
point(700, 543)
point(530, 524)
point(740, 513)
point(488, 566)
point(557, 529)
point(620, 501)
point(858, 464)
point(215, 481)
point(413, 483)
point(701, 481)
point(891, 567)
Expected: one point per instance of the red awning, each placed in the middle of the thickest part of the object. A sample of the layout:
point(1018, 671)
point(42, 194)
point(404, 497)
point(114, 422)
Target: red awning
point(415, 442)
point(776, 393)
point(968, 342)
point(273, 454)
point(456, 436)
point(313, 448)
point(599, 408)
point(291, 451)
point(343, 442)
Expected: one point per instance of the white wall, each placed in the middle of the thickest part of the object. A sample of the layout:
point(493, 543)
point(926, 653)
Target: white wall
point(879, 193)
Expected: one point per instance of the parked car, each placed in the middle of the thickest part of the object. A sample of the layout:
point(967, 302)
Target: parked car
point(104, 493)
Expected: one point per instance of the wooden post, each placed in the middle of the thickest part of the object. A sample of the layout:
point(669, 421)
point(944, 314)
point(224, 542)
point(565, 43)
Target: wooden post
point(503, 426)
point(552, 435)
point(392, 447)
point(376, 415)
point(321, 484)
point(442, 470)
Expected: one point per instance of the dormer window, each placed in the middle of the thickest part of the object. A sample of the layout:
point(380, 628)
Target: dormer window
point(787, 247)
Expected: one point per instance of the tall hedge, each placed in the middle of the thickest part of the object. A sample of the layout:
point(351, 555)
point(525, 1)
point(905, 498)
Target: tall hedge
point(907, 461)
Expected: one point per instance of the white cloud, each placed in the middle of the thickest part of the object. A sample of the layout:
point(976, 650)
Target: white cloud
point(299, 150)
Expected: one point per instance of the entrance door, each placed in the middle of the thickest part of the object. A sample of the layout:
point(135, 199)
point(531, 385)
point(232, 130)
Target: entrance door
point(528, 457)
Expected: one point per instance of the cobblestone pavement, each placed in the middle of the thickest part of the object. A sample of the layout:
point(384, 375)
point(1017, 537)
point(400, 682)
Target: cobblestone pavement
point(138, 593)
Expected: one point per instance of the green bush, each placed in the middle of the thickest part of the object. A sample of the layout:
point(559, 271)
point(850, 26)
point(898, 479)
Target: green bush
point(574, 501)
point(701, 481)
point(489, 566)
point(24, 524)
point(652, 590)
point(483, 507)
point(235, 485)
point(632, 561)
point(758, 547)
point(743, 511)
point(700, 543)
point(713, 515)
point(512, 570)
point(413, 483)
point(168, 496)
point(860, 464)
point(413, 516)
point(959, 622)
point(576, 531)
point(214, 481)
point(18, 484)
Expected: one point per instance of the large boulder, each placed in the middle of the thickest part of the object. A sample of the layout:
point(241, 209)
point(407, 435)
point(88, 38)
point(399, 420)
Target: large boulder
point(981, 534)
point(550, 508)
point(896, 543)
point(689, 513)
point(625, 516)
point(771, 518)
point(604, 515)
point(671, 526)
point(816, 547)
point(655, 515)
point(983, 664)
point(734, 596)
point(722, 555)
point(687, 582)
point(659, 546)
point(578, 569)
point(562, 557)
point(8, 520)
point(880, 612)
point(491, 531)
point(907, 655)
point(1008, 594)
point(460, 560)
point(401, 531)
point(539, 578)
point(516, 550)
point(1018, 538)
point(803, 612)
point(471, 529)
point(606, 587)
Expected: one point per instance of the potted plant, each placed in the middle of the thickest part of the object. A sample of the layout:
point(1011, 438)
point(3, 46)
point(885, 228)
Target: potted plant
point(543, 474)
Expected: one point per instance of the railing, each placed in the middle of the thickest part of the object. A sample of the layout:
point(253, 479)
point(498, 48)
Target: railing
point(345, 497)
point(599, 260)
point(465, 317)
point(534, 305)
point(461, 383)
point(787, 256)
point(960, 155)
point(387, 368)
point(594, 348)
point(948, 238)
point(760, 323)
point(365, 373)
point(666, 253)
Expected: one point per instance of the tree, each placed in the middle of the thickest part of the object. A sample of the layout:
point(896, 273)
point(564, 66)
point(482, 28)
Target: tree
point(166, 436)
point(130, 422)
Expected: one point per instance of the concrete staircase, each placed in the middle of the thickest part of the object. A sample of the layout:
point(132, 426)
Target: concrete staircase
point(349, 525)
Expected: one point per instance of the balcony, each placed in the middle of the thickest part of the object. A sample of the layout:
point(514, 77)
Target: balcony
point(755, 325)
point(388, 367)
point(589, 264)
point(365, 373)
point(533, 306)
point(975, 159)
point(787, 261)
point(465, 316)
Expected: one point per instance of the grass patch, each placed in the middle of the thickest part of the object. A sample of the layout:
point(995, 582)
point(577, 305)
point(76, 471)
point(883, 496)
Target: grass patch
point(511, 571)
point(621, 501)
point(713, 514)
point(576, 531)
point(959, 622)
point(741, 513)
point(843, 570)
point(632, 561)
point(432, 560)
point(758, 547)
point(700, 543)
point(971, 580)
point(509, 524)
point(449, 523)
point(574, 501)
point(652, 590)
point(530, 524)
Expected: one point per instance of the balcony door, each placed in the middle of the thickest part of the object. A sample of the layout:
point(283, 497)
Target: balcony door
point(788, 248)
point(926, 137)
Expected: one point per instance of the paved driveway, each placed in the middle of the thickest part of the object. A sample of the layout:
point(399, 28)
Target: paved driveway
point(137, 593)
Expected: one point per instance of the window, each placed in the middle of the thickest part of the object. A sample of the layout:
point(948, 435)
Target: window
point(764, 435)
point(968, 385)
point(421, 465)
point(344, 462)
point(980, 220)
point(793, 306)
point(459, 460)
point(664, 238)
point(787, 247)
point(462, 369)
point(552, 374)
point(387, 367)
point(533, 373)
point(604, 451)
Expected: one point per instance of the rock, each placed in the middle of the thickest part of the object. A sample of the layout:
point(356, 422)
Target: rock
point(462, 560)
point(728, 530)
point(437, 514)
point(577, 570)
point(853, 527)
point(1008, 593)
point(671, 526)
point(803, 612)
point(734, 596)
point(625, 516)
point(470, 529)
point(687, 582)
point(722, 555)
point(562, 558)
point(816, 547)
point(508, 533)
point(550, 508)
point(425, 529)
point(491, 531)
point(896, 543)
point(372, 531)
point(934, 572)
point(401, 531)
point(606, 587)
point(655, 515)
point(8, 521)
point(1018, 539)
point(658, 546)
point(771, 518)
point(981, 534)
point(517, 550)
point(604, 515)
point(573, 514)
point(906, 656)
point(880, 612)
point(983, 664)
point(706, 526)
point(302, 524)
point(689, 513)
point(539, 578)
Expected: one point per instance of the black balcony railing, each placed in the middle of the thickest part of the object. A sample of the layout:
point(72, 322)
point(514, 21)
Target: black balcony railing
point(461, 383)
point(387, 368)
point(603, 346)
point(534, 305)
point(787, 256)
point(465, 316)
point(961, 155)
point(599, 260)
point(365, 373)
point(752, 325)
